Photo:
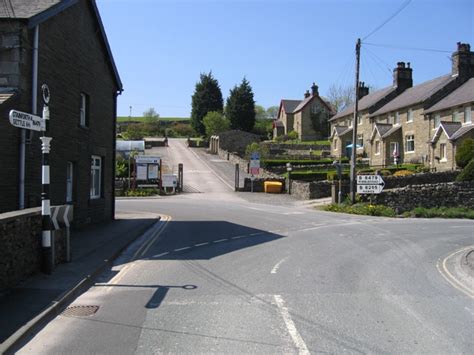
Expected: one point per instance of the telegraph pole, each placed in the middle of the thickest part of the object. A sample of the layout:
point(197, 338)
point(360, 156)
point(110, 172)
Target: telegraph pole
point(353, 187)
point(47, 240)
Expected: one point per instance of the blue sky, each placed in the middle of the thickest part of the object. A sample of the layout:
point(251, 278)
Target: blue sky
point(161, 46)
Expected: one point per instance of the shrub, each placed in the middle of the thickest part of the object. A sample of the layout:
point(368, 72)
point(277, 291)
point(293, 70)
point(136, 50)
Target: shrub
point(467, 174)
point(255, 147)
point(184, 129)
point(403, 173)
point(215, 123)
point(362, 209)
point(465, 153)
point(441, 212)
point(385, 172)
point(141, 192)
point(332, 175)
point(292, 135)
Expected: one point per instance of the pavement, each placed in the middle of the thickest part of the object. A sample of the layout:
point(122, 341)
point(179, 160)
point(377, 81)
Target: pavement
point(35, 301)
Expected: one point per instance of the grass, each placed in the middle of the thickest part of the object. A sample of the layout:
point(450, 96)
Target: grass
point(441, 212)
point(142, 119)
point(362, 209)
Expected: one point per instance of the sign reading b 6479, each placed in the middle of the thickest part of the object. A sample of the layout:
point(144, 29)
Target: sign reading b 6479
point(27, 121)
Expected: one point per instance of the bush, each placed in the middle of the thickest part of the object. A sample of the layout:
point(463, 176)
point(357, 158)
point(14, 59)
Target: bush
point(184, 129)
point(362, 209)
point(255, 147)
point(441, 212)
point(215, 123)
point(465, 153)
point(141, 192)
point(292, 135)
point(403, 173)
point(467, 174)
point(332, 175)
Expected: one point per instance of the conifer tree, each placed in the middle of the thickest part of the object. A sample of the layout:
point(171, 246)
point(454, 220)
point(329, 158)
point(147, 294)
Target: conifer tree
point(207, 97)
point(240, 107)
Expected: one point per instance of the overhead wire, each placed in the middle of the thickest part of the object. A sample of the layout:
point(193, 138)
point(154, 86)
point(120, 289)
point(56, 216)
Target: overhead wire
point(404, 5)
point(407, 48)
point(384, 67)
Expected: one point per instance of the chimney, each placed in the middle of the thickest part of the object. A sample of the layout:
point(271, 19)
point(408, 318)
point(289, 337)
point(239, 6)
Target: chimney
point(363, 90)
point(402, 76)
point(314, 89)
point(307, 94)
point(463, 61)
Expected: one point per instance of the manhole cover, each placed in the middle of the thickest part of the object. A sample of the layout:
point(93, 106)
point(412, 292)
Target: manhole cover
point(80, 311)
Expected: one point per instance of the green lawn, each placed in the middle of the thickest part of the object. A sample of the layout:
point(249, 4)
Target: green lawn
point(142, 119)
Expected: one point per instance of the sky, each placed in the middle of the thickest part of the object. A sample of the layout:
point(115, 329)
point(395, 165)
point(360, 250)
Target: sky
point(161, 47)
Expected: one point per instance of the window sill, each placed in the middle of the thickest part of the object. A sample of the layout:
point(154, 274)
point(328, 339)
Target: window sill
point(410, 152)
point(443, 161)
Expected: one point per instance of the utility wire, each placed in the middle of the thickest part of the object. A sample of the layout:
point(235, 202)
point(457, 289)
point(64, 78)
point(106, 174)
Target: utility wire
point(407, 48)
point(405, 4)
point(380, 62)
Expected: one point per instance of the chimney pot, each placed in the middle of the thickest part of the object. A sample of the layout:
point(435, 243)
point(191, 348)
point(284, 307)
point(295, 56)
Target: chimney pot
point(307, 94)
point(314, 89)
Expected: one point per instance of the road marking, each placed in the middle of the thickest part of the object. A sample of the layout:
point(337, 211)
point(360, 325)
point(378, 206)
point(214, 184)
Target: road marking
point(443, 270)
point(239, 236)
point(277, 266)
point(212, 171)
point(252, 234)
point(160, 255)
point(201, 244)
point(290, 325)
point(219, 241)
point(179, 249)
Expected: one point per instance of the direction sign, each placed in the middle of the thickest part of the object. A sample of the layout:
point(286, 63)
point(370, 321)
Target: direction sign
point(369, 184)
point(61, 215)
point(27, 121)
point(147, 159)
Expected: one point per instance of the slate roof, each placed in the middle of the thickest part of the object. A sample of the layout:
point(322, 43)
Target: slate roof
point(6, 95)
point(415, 94)
point(382, 129)
point(25, 9)
point(38, 11)
point(340, 131)
point(449, 129)
point(366, 102)
point(290, 105)
point(462, 95)
point(391, 131)
point(462, 131)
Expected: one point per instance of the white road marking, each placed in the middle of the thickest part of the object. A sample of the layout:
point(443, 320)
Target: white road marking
point(219, 241)
point(179, 249)
point(443, 270)
point(160, 255)
point(252, 234)
point(238, 237)
point(201, 244)
point(290, 325)
point(277, 266)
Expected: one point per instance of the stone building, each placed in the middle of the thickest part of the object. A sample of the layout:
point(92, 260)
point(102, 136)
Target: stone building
point(403, 127)
point(308, 117)
point(341, 123)
point(61, 43)
point(452, 119)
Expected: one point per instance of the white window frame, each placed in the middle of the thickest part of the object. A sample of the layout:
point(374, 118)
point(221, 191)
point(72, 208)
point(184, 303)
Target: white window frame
point(96, 169)
point(361, 137)
point(409, 138)
point(410, 115)
point(69, 181)
point(83, 111)
point(335, 143)
point(396, 119)
point(377, 147)
point(467, 115)
point(390, 119)
point(443, 152)
point(436, 120)
point(456, 115)
point(359, 120)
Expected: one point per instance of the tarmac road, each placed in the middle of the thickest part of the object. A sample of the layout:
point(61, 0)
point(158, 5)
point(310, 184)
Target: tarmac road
point(239, 273)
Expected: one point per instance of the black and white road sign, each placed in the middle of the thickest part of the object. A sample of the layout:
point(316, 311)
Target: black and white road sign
point(369, 184)
point(61, 216)
point(26, 121)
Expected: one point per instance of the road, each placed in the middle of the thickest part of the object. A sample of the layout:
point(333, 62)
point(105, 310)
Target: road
point(253, 273)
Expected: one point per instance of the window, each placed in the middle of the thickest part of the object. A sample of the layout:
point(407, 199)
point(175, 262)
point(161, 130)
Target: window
point(96, 176)
point(84, 111)
point(359, 119)
point(456, 116)
point(397, 118)
point(437, 120)
point(335, 143)
point(350, 122)
point(69, 181)
point(410, 115)
point(467, 114)
point(377, 147)
point(360, 141)
point(390, 119)
point(410, 143)
point(442, 151)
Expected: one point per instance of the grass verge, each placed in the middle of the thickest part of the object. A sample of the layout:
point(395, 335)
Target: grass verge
point(441, 212)
point(362, 209)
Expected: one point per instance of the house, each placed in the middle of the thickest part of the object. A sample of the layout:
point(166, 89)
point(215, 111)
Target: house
point(61, 43)
point(402, 127)
point(452, 118)
point(341, 123)
point(308, 117)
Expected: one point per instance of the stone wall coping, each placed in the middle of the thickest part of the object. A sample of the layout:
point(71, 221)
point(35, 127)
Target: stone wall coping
point(28, 212)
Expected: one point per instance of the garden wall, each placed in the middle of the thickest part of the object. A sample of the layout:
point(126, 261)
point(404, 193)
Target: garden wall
point(310, 190)
point(419, 179)
point(451, 194)
point(20, 246)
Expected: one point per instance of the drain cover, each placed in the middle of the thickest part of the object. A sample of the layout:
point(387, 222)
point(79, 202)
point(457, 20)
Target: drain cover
point(80, 311)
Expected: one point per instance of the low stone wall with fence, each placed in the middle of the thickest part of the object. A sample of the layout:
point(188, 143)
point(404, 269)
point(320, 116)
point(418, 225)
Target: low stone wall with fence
point(20, 241)
point(451, 194)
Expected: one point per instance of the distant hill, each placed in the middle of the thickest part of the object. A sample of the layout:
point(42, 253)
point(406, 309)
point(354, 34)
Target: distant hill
point(142, 119)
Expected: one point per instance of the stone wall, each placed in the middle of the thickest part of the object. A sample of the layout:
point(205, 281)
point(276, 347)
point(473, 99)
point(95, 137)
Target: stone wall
point(20, 241)
point(451, 194)
point(419, 179)
point(258, 184)
point(310, 190)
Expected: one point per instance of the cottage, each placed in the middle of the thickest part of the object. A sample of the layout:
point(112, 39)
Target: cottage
point(61, 43)
point(341, 123)
point(403, 128)
point(308, 117)
point(452, 117)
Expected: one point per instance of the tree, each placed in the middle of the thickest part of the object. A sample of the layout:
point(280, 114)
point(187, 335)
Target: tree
point(240, 107)
point(465, 153)
point(260, 112)
point(319, 121)
point(340, 97)
point(151, 113)
point(215, 123)
point(207, 97)
point(272, 112)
